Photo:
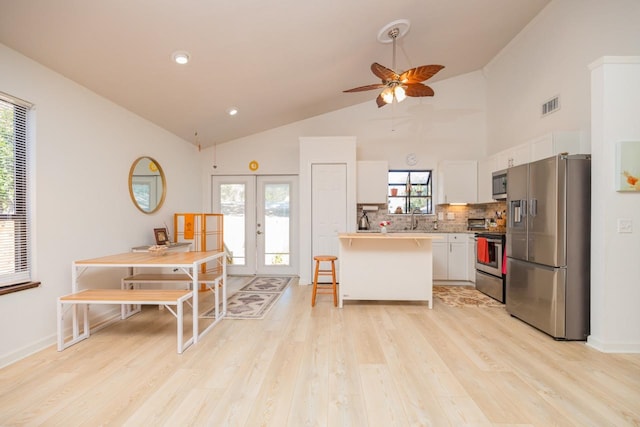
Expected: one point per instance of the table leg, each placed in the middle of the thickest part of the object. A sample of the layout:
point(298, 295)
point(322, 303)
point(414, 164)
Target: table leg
point(196, 332)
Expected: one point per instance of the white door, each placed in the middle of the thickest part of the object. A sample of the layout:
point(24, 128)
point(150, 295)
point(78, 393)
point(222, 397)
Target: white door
point(328, 207)
point(259, 222)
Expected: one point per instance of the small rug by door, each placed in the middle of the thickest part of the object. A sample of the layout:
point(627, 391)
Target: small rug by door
point(266, 284)
point(464, 296)
point(255, 299)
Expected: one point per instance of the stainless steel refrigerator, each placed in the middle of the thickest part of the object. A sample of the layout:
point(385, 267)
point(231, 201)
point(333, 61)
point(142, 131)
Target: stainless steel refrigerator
point(548, 245)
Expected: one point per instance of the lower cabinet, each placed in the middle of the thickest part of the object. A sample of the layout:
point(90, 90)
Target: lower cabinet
point(440, 255)
point(450, 257)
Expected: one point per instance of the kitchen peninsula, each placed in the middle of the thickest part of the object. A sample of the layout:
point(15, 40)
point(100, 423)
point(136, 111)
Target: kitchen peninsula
point(386, 266)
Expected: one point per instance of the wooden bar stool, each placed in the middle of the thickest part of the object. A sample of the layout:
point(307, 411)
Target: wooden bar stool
point(325, 288)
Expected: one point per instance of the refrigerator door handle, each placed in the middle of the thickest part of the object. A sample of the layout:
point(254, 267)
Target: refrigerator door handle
point(533, 207)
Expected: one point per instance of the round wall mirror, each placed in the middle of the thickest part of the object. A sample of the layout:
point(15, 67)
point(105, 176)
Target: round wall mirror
point(147, 185)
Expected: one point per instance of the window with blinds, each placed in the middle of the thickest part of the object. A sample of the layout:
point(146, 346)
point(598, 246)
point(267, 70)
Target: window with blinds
point(14, 200)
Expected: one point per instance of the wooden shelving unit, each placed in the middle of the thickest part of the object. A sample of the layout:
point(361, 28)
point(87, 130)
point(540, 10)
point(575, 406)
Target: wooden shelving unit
point(204, 231)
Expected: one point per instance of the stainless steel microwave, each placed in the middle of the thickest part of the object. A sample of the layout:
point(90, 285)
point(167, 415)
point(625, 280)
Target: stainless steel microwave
point(499, 185)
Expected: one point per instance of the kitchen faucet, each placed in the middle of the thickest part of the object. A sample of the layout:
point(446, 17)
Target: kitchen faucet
point(414, 225)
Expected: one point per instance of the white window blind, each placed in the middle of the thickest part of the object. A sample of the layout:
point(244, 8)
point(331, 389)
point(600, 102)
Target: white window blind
point(14, 202)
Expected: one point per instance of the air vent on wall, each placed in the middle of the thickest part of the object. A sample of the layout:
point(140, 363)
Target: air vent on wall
point(551, 105)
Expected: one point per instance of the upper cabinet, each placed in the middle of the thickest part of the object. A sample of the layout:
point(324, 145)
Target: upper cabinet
point(458, 181)
point(555, 143)
point(536, 149)
point(514, 156)
point(372, 181)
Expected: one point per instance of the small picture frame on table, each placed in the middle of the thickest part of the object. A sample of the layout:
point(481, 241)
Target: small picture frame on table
point(162, 237)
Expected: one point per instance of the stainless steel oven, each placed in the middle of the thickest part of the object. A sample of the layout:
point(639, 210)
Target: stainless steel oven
point(490, 278)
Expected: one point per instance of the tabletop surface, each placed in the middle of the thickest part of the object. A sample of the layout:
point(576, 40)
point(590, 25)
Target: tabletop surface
point(147, 258)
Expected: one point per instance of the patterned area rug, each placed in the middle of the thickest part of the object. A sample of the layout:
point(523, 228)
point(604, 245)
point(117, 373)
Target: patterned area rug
point(464, 296)
point(255, 299)
point(266, 284)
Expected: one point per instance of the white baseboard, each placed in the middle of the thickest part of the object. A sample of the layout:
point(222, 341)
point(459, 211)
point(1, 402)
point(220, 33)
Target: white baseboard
point(97, 323)
point(613, 347)
point(26, 351)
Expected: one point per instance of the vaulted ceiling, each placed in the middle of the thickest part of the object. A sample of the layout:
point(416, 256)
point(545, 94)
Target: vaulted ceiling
point(277, 61)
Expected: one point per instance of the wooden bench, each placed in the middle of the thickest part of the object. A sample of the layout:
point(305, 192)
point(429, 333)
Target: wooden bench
point(212, 282)
point(163, 297)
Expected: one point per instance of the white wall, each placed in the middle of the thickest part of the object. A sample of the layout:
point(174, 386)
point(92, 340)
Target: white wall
point(551, 57)
point(84, 147)
point(615, 318)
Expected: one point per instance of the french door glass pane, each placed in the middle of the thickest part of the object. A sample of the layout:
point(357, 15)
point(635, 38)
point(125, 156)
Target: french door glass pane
point(232, 206)
point(276, 220)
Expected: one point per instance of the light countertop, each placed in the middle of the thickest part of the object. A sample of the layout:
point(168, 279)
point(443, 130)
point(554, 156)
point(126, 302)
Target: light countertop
point(400, 235)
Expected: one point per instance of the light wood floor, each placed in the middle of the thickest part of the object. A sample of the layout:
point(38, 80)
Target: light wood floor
point(369, 364)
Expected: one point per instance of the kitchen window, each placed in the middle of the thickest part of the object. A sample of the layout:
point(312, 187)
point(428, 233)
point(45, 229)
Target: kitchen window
point(15, 268)
point(409, 191)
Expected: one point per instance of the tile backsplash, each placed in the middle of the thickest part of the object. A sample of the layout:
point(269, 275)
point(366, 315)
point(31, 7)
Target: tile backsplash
point(453, 217)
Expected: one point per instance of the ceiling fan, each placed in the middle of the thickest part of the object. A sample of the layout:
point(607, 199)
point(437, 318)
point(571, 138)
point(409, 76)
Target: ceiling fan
point(398, 85)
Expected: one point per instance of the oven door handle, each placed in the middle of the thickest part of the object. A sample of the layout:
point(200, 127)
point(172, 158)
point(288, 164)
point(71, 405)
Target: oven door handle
point(491, 240)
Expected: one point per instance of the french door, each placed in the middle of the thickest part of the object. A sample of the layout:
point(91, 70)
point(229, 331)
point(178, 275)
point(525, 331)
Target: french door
point(259, 222)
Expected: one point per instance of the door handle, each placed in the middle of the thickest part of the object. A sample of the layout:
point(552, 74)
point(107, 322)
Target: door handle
point(533, 207)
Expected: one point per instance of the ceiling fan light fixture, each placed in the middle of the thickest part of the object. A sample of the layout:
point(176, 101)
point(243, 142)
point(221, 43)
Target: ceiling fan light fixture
point(393, 92)
point(181, 57)
point(387, 95)
point(398, 84)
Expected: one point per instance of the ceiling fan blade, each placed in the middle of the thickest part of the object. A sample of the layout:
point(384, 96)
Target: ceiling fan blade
point(417, 89)
point(383, 72)
point(380, 101)
point(420, 74)
point(367, 87)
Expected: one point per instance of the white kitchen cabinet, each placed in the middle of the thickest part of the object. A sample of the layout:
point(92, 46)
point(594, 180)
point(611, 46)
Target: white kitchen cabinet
point(555, 143)
point(458, 181)
point(514, 156)
point(451, 257)
point(457, 257)
point(440, 249)
point(485, 169)
point(372, 181)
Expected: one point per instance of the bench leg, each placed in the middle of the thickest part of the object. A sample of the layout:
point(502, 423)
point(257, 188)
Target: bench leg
point(216, 285)
point(76, 335)
point(128, 310)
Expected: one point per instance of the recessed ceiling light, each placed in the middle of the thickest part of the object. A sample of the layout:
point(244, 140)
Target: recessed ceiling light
point(180, 57)
point(232, 111)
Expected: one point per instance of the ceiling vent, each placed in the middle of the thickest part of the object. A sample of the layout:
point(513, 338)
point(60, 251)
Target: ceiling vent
point(551, 105)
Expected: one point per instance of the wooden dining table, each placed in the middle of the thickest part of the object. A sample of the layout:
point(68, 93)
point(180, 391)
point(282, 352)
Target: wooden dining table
point(189, 263)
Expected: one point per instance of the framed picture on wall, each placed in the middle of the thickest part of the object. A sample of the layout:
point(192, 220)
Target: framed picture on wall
point(162, 237)
point(628, 166)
